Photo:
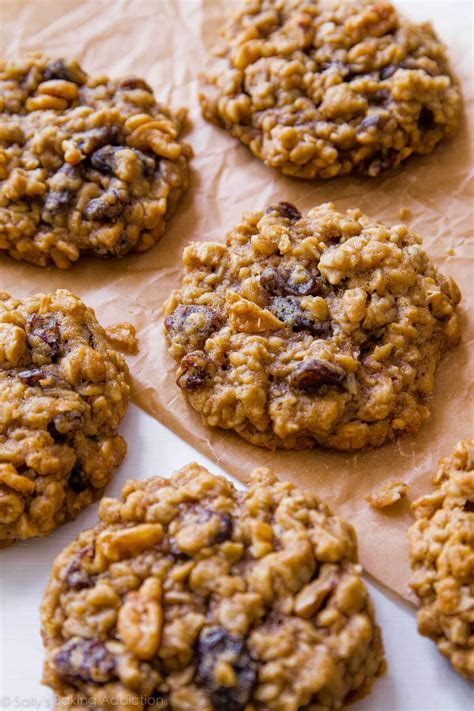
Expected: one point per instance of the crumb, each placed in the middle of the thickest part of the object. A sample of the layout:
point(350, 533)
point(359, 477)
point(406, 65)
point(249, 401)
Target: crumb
point(404, 213)
point(122, 336)
point(387, 495)
point(450, 252)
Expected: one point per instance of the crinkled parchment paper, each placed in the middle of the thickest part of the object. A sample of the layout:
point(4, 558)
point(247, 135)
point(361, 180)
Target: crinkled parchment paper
point(165, 41)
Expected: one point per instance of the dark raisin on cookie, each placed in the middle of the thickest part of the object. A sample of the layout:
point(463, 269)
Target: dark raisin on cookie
point(78, 480)
point(311, 374)
point(75, 576)
point(216, 643)
point(132, 83)
point(108, 206)
point(95, 138)
point(288, 310)
point(85, 660)
point(32, 377)
point(198, 329)
point(47, 329)
point(286, 210)
point(195, 371)
point(69, 70)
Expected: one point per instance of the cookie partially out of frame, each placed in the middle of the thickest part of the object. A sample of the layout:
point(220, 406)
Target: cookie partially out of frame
point(442, 559)
point(63, 392)
point(319, 88)
point(323, 329)
point(88, 164)
point(192, 595)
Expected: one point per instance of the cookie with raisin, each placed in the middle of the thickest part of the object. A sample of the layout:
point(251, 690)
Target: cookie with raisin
point(190, 594)
point(63, 392)
point(442, 559)
point(323, 329)
point(322, 88)
point(90, 165)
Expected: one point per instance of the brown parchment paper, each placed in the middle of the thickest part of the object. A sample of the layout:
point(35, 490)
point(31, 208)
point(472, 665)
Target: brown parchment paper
point(165, 41)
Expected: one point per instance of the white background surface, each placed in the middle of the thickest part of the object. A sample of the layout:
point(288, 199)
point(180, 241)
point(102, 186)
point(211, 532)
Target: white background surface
point(418, 678)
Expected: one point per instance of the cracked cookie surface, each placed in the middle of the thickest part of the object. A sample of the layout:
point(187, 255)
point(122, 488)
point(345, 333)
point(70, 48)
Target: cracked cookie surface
point(320, 88)
point(88, 164)
point(442, 559)
point(190, 594)
point(324, 329)
point(63, 392)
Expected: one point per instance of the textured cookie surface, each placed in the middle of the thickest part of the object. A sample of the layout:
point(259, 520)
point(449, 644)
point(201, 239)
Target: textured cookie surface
point(304, 330)
point(319, 88)
point(88, 164)
point(442, 559)
point(63, 392)
point(191, 595)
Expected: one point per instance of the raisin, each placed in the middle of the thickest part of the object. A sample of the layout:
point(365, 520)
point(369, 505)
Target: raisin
point(180, 328)
point(67, 422)
point(88, 335)
point(148, 162)
point(57, 200)
point(78, 480)
point(288, 310)
point(96, 138)
point(31, 377)
point(69, 70)
point(108, 206)
point(58, 437)
point(216, 642)
point(75, 576)
point(299, 281)
point(311, 374)
point(380, 162)
point(85, 660)
point(293, 280)
point(388, 71)
point(226, 527)
point(131, 83)
point(426, 120)
point(372, 121)
point(379, 97)
point(338, 67)
point(469, 507)
point(46, 328)
point(104, 161)
point(194, 371)
point(63, 186)
point(286, 210)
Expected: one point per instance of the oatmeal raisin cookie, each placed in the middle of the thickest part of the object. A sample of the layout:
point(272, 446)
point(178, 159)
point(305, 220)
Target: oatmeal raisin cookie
point(319, 88)
point(442, 558)
point(192, 595)
point(324, 329)
point(88, 164)
point(63, 392)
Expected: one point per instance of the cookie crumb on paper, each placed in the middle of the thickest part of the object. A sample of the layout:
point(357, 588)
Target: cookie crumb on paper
point(387, 495)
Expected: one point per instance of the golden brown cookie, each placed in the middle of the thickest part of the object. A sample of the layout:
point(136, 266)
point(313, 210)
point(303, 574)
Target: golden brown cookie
point(63, 392)
point(442, 558)
point(88, 164)
point(192, 595)
point(319, 88)
point(305, 330)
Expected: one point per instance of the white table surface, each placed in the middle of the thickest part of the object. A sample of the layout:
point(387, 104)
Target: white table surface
point(418, 678)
